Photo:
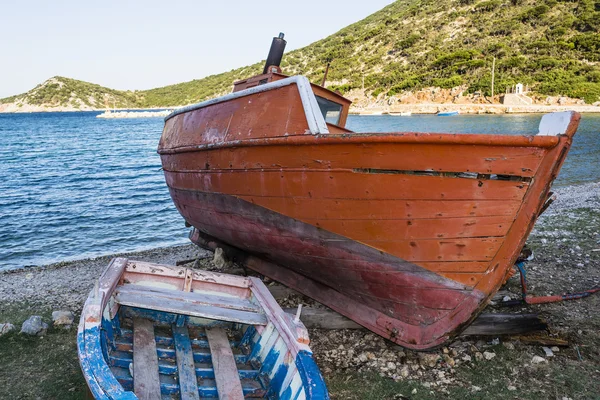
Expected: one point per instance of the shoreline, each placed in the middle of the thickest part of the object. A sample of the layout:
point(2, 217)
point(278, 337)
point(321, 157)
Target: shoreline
point(416, 108)
point(434, 108)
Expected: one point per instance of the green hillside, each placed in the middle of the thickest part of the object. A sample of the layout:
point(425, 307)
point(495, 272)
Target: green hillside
point(65, 92)
point(552, 46)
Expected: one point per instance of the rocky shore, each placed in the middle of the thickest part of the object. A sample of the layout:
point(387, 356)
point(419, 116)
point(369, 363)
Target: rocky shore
point(434, 108)
point(134, 114)
point(356, 363)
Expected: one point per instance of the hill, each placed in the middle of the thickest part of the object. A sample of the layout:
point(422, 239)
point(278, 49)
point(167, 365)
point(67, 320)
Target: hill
point(70, 94)
point(552, 46)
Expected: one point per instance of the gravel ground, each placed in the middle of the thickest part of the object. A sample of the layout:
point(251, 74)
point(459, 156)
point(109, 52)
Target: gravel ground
point(566, 244)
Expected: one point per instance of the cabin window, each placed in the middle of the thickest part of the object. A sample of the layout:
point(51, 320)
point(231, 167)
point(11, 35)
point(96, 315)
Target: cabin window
point(331, 111)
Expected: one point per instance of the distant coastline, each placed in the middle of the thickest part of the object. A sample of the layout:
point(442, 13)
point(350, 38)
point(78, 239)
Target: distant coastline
point(417, 108)
point(434, 108)
point(36, 109)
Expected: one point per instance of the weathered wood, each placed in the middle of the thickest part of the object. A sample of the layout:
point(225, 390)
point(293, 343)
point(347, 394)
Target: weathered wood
point(515, 161)
point(235, 161)
point(306, 208)
point(145, 361)
point(229, 386)
point(343, 184)
point(193, 297)
point(483, 325)
point(186, 369)
point(186, 308)
point(505, 324)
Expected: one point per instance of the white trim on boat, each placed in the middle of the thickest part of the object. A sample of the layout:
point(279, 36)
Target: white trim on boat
point(314, 118)
point(555, 123)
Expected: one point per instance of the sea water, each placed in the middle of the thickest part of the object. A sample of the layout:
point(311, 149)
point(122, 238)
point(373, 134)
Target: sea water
point(74, 186)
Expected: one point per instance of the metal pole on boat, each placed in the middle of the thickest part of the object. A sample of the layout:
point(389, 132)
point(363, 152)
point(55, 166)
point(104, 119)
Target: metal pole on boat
point(275, 53)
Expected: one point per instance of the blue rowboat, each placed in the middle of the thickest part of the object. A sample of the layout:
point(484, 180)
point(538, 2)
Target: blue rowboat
point(150, 331)
point(447, 113)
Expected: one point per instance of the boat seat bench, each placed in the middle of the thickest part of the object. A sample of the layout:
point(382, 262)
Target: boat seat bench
point(191, 303)
point(146, 380)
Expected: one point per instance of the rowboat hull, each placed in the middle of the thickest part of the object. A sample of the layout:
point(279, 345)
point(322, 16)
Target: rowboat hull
point(409, 234)
point(151, 331)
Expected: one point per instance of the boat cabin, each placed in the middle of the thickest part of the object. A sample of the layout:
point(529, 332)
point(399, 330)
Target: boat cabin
point(333, 106)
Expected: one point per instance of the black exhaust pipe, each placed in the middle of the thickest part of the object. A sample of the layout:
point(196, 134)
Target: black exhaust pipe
point(276, 53)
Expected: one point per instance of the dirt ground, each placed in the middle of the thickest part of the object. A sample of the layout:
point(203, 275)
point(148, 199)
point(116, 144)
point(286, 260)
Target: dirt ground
point(358, 364)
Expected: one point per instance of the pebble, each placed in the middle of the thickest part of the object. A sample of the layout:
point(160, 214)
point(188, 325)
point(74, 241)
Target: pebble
point(428, 359)
point(488, 355)
point(404, 372)
point(475, 389)
point(548, 352)
point(63, 318)
point(506, 298)
point(538, 359)
point(555, 349)
point(34, 326)
point(512, 388)
point(478, 356)
point(449, 360)
point(509, 345)
point(219, 259)
point(5, 328)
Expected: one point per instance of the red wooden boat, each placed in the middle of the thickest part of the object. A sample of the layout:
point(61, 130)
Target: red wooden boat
point(409, 234)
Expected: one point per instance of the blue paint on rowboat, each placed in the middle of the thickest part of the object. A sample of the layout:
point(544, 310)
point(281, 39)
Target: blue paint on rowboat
point(311, 376)
point(273, 361)
point(447, 113)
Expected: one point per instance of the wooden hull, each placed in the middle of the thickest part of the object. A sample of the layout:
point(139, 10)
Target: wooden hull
point(409, 234)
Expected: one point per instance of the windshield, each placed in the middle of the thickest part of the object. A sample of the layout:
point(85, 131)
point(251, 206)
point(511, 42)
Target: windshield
point(331, 111)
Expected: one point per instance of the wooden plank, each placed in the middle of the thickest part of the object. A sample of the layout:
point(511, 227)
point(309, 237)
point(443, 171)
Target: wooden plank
point(483, 325)
point(305, 208)
point(229, 386)
point(193, 297)
point(342, 184)
point(465, 249)
point(460, 249)
point(505, 324)
point(195, 310)
point(141, 270)
point(397, 229)
point(145, 361)
point(186, 369)
point(448, 228)
point(516, 161)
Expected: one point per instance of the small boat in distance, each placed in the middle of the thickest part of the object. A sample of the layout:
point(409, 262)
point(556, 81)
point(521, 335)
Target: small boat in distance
point(447, 113)
point(401, 114)
point(409, 234)
point(150, 331)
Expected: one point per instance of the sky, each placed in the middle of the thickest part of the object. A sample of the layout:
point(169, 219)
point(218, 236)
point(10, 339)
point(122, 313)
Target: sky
point(146, 44)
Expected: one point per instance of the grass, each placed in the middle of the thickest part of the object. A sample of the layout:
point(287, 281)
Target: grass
point(39, 367)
